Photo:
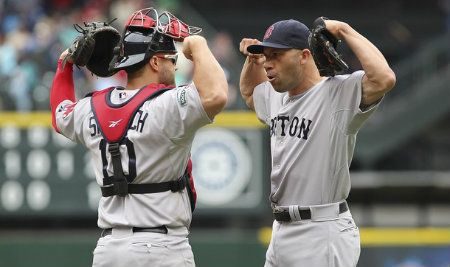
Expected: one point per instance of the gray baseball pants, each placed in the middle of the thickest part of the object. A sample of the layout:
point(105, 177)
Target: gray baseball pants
point(330, 243)
point(142, 249)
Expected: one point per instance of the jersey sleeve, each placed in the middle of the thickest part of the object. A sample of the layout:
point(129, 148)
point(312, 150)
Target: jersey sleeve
point(261, 100)
point(69, 118)
point(181, 113)
point(346, 99)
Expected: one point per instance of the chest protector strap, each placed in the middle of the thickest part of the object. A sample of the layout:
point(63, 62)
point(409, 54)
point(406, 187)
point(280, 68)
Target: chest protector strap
point(114, 122)
point(120, 183)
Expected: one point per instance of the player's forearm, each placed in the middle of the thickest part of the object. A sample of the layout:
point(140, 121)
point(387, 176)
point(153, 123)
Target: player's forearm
point(209, 78)
point(252, 74)
point(62, 89)
point(372, 60)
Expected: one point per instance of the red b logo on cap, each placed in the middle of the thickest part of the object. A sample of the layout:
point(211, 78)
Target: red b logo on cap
point(268, 32)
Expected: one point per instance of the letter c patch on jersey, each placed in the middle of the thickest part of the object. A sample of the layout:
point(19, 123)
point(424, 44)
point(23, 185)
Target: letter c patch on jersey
point(181, 96)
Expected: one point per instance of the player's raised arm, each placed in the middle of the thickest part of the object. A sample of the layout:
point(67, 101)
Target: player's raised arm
point(379, 78)
point(252, 73)
point(62, 86)
point(209, 78)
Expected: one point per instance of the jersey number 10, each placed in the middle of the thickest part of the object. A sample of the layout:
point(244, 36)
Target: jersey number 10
point(131, 159)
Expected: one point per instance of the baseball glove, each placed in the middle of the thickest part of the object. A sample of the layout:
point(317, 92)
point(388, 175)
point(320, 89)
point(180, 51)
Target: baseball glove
point(94, 47)
point(323, 48)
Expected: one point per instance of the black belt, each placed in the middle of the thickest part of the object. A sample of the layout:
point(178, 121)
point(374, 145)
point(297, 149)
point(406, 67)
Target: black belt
point(159, 229)
point(173, 186)
point(305, 214)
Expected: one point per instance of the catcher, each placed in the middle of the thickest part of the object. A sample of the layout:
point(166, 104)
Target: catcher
point(140, 136)
point(313, 124)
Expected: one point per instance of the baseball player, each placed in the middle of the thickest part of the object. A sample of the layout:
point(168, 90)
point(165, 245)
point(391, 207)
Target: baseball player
point(313, 124)
point(140, 139)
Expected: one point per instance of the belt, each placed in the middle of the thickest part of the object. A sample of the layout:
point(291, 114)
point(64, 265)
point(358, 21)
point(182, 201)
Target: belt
point(114, 188)
point(159, 229)
point(305, 214)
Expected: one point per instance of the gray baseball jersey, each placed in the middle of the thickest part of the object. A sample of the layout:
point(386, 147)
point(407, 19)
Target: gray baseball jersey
point(312, 139)
point(161, 135)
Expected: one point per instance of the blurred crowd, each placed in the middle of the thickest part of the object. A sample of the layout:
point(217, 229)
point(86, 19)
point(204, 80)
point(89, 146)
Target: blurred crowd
point(33, 33)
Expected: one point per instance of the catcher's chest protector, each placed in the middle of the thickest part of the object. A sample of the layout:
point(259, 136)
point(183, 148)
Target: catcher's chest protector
point(114, 120)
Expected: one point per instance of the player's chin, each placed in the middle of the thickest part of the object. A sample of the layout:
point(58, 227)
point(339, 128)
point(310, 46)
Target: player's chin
point(274, 83)
point(277, 86)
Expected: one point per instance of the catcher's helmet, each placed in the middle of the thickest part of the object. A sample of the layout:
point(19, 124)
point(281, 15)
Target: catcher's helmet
point(140, 42)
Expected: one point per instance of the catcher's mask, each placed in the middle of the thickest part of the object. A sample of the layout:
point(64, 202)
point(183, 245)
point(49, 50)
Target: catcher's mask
point(147, 33)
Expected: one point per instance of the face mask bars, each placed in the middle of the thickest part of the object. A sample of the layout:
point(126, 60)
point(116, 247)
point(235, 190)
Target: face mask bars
point(172, 26)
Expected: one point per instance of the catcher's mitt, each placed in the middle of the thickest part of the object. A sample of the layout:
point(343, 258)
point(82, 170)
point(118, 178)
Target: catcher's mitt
point(94, 47)
point(323, 48)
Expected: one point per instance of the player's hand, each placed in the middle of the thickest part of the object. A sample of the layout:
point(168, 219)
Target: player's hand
point(65, 55)
point(335, 27)
point(246, 42)
point(254, 58)
point(189, 44)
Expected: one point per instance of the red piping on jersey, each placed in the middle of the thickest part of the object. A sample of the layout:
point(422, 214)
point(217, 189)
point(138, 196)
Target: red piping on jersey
point(62, 89)
point(114, 120)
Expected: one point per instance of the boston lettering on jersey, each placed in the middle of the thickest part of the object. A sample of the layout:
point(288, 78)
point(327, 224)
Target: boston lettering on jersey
point(292, 126)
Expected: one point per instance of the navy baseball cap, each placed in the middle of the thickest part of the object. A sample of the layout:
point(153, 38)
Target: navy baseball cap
point(283, 34)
